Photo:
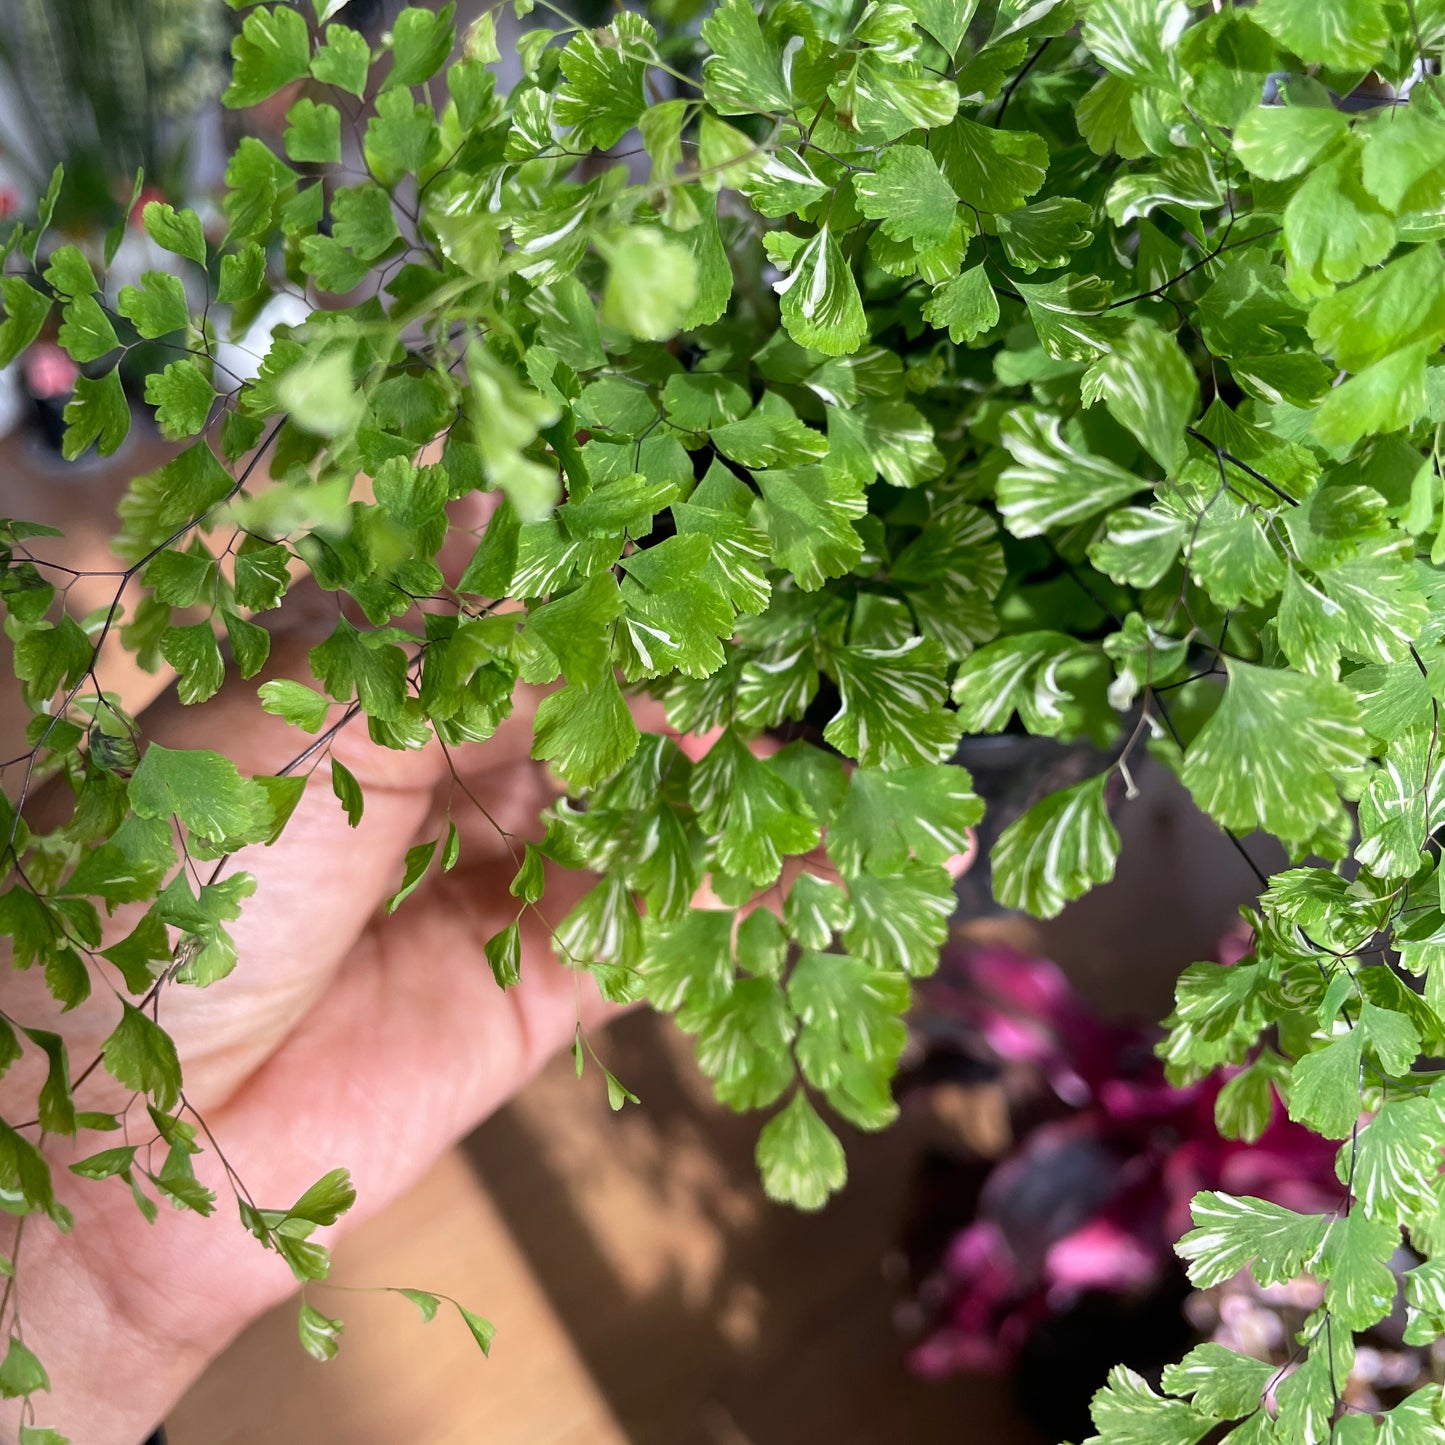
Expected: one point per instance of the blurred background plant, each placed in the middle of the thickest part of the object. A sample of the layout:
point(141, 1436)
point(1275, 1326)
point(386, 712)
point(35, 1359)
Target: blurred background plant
point(1043, 1246)
point(106, 88)
point(116, 93)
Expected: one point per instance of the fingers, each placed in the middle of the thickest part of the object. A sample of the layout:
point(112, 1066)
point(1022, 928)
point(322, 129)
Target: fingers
point(415, 1043)
point(469, 518)
point(959, 863)
point(315, 889)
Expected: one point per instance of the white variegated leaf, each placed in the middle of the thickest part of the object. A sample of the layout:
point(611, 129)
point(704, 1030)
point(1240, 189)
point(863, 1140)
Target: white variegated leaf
point(901, 921)
point(1415, 1421)
point(1221, 1381)
point(1234, 557)
point(1268, 756)
point(1136, 38)
point(1393, 1163)
point(1403, 804)
point(892, 712)
point(1054, 483)
point(1139, 545)
point(1127, 1412)
point(782, 183)
point(1018, 673)
point(821, 306)
point(1231, 1232)
point(1058, 850)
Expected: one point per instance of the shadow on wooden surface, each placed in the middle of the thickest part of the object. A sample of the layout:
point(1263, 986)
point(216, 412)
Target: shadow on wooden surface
point(705, 1314)
point(644, 1289)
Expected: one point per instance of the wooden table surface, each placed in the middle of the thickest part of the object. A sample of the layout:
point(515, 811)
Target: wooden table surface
point(643, 1289)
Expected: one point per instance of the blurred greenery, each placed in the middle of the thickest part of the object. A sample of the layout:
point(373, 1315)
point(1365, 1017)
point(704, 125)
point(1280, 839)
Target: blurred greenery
point(106, 87)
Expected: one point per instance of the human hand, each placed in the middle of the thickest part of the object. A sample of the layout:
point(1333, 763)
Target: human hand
point(343, 1037)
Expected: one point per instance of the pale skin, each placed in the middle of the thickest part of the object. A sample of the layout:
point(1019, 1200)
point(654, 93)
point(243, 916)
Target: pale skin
point(343, 1037)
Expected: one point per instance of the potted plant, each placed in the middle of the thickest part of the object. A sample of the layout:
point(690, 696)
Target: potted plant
point(121, 97)
point(933, 364)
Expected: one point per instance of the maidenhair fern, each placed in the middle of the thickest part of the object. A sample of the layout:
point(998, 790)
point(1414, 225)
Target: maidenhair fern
point(900, 369)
